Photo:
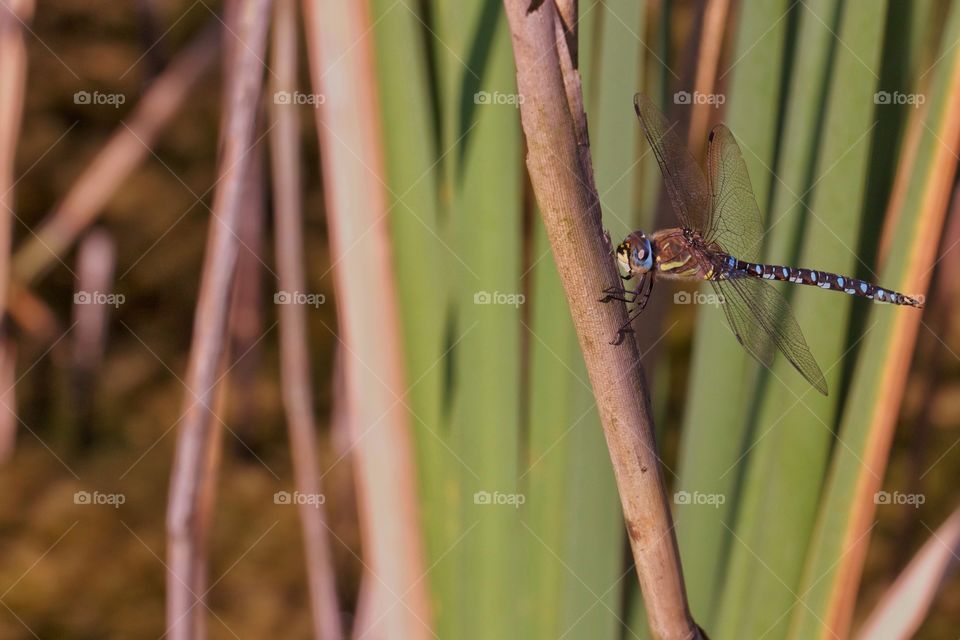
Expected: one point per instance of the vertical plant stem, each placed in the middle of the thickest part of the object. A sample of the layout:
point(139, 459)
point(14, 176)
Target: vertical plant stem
point(558, 163)
point(294, 350)
point(13, 71)
point(341, 69)
point(191, 481)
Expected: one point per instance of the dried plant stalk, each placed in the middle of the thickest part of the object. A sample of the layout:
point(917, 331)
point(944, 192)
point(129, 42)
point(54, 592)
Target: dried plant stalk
point(196, 452)
point(294, 349)
point(905, 605)
point(341, 69)
point(559, 166)
point(13, 71)
point(125, 150)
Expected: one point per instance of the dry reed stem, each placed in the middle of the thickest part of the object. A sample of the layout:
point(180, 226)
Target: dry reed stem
point(904, 606)
point(715, 16)
point(13, 72)
point(559, 167)
point(191, 485)
point(125, 150)
point(294, 348)
point(342, 70)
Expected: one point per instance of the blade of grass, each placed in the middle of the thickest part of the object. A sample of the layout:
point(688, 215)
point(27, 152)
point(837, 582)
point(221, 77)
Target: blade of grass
point(342, 71)
point(615, 138)
point(486, 226)
point(721, 389)
point(413, 176)
point(545, 474)
point(794, 428)
point(835, 562)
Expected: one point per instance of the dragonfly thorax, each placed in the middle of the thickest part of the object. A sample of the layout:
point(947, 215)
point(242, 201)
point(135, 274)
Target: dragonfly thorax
point(635, 255)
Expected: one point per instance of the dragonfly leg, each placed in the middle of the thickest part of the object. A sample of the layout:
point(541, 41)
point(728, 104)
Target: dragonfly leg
point(626, 328)
point(618, 293)
point(641, 295)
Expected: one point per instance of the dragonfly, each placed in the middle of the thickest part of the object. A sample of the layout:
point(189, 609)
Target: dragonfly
point(719, 241)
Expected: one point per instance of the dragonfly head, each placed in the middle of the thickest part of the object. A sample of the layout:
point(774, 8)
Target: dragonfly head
point(634, 255)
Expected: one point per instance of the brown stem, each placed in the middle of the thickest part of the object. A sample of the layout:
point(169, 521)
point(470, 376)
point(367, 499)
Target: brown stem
point(341, 70)
point(294, 349)
point(13, 71)
point(559, 167)
point(196, 450)
point(118, 158)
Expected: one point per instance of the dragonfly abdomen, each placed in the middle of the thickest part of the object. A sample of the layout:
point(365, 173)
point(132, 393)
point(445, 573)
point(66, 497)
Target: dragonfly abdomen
point(822, 279)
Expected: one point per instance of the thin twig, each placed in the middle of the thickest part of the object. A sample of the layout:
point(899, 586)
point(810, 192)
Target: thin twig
point(125, 150)
point(196, 450)
point(294, 349)
point(551, 113)
point(342, 71)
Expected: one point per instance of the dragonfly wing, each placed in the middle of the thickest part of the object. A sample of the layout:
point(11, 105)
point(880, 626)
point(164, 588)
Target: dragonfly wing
point(685, 183)
point(762, 321)
point(736, 223)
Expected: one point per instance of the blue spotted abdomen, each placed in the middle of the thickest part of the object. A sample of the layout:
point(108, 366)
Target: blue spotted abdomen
point(734, 268)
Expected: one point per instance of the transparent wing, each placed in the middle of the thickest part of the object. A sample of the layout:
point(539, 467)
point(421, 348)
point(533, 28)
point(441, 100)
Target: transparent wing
point(736, 223)
point(684, 180)
point(762, 321)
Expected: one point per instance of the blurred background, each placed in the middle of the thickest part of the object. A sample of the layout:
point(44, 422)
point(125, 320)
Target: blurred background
point(844, 111)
